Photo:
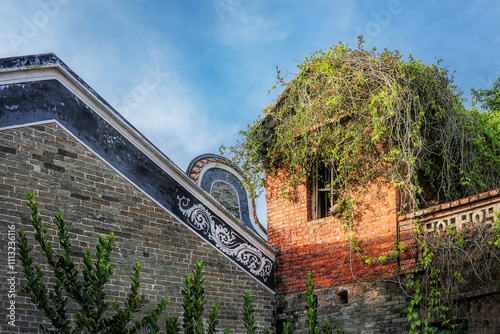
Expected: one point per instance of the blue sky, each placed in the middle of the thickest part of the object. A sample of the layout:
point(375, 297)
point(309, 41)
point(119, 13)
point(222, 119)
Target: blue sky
point(213, 62)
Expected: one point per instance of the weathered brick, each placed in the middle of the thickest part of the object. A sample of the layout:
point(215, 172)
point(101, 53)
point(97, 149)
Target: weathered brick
point(93, 197)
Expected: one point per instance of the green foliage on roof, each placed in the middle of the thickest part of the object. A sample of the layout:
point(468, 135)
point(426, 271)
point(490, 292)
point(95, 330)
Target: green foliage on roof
point(371, 114)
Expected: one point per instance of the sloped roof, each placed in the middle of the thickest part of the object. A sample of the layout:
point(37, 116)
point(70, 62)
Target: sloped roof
point(39, 89)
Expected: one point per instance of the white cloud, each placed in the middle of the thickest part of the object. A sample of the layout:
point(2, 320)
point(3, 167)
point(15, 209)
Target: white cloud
point(170, 115)
point(30, 28)
point(240, 23)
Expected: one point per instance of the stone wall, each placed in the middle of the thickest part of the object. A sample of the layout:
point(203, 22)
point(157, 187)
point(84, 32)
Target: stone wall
point(371, 308)
point(95, 199)
point(227, 196)
point(480, 303)
point(111, 179)
point(376, 308)
point(483, 308)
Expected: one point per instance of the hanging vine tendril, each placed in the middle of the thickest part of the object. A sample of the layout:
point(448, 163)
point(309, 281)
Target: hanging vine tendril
point(370, 114)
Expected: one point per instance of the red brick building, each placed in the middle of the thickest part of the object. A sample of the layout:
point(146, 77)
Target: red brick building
point(350, 292)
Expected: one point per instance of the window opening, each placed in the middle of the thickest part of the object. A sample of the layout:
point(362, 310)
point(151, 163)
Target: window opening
point(342, 297)
point(323, 193)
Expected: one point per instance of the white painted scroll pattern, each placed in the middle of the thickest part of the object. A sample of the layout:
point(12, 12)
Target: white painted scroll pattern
point(485, 216)
point(226, 240)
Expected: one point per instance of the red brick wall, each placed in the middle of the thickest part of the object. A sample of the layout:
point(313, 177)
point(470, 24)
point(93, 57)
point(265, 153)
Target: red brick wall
point(483, 200)
point(321, 246)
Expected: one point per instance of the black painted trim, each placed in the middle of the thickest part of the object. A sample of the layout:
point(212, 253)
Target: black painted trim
point(39, 101)
point(218, 174)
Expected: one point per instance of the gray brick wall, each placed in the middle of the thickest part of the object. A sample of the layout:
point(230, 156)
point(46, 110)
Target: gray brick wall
point(96, 200)
point(225, 194)
point(370, 309)
point(378, 308)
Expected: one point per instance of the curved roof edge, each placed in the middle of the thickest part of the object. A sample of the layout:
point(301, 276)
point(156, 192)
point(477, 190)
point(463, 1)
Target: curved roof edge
point(203, 162)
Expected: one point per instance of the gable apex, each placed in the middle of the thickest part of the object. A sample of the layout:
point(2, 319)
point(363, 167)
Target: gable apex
point(40, 89)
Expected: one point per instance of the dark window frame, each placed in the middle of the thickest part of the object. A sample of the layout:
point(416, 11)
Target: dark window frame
point(323, 197)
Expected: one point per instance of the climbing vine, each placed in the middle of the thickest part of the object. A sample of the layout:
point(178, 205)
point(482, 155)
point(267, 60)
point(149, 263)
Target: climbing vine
point(371, 115)
point(451, 262)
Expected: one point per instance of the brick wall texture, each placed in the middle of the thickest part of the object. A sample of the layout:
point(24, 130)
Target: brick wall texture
point(322, 248)
point(225, 194)
point(370, 309)
point(96, 200)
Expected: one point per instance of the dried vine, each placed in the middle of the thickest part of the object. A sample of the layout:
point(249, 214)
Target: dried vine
point(370, 114)
point(354, 109)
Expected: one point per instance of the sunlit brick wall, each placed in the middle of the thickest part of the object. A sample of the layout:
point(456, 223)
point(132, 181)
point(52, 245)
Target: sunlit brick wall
point(321, 246)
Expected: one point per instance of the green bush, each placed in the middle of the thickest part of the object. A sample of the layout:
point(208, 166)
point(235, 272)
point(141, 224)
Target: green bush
point(94, 314)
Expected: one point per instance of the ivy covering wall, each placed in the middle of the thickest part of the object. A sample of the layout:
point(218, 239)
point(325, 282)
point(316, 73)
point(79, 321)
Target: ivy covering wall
point(367, 114)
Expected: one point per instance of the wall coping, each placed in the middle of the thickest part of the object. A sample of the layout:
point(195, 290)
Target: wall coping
point(464, 204)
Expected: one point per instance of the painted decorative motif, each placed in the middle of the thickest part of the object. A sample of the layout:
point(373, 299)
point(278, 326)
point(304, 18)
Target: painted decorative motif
point(485, 216)
point(210, 171)
point(26, 103)
point(225, 240)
